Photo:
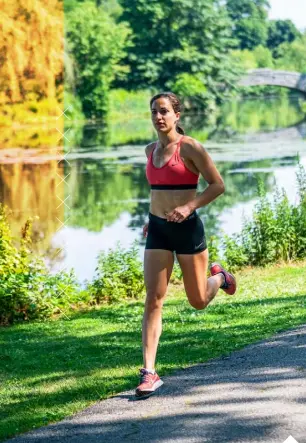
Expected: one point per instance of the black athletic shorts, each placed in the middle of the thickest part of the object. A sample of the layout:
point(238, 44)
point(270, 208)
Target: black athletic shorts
point(187, 237)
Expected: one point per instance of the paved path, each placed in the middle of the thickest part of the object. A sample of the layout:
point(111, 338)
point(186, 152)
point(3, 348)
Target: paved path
point(256, 395)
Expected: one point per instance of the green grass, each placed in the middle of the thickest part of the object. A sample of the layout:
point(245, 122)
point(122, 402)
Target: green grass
point(53, 369)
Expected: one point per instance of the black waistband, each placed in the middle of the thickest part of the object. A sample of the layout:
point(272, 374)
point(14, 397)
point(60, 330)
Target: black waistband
point(174, 186)
point(161, 219)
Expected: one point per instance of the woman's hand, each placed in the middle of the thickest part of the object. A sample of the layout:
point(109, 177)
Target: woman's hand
point(145, 230)
point(178, 214)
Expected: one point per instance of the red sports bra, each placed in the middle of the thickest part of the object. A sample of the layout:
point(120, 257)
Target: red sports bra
point(173, 175)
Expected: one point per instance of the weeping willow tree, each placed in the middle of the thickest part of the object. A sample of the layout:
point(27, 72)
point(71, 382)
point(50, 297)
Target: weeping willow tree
point(31, 49)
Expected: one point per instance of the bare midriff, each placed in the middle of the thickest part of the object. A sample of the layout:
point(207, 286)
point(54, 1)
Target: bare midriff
point(164, 201)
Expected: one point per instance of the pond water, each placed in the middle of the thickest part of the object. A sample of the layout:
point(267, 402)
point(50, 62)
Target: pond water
point(99, 195)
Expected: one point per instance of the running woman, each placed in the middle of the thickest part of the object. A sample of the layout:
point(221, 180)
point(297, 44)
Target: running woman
point(174, 164)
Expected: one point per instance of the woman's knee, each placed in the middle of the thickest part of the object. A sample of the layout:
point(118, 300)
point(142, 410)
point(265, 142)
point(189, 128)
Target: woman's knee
point(198, 303)
point(154, 300)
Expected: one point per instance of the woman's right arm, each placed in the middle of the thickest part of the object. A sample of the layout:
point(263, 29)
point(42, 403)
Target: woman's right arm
point(148, 151)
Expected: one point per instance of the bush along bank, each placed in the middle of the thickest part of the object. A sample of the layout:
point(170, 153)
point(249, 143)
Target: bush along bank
point(28, 291)
point(276, 233)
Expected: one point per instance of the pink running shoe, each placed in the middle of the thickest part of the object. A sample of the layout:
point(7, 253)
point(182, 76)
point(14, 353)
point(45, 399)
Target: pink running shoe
point(230, 285)
point(149, 383)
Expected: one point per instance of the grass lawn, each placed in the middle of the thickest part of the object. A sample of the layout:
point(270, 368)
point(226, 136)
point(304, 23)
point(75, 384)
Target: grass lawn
point(53, 369)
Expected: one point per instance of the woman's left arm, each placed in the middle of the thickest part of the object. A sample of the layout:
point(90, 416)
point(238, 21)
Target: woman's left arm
point(204, 164)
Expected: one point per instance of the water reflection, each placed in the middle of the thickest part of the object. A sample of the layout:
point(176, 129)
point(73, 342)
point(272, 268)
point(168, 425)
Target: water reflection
point(122, 219)
point(30, 190)
point(102, 190)
point(106, 194)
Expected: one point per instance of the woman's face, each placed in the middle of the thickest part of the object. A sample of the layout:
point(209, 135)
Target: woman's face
point(163, 116)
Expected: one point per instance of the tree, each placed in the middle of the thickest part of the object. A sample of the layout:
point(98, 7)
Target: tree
point(263, 57)
point(292, 56)
point(250, 18)
point(112, 7)
point(97, 44)
point(31, 62)
point(175, 37)
point(281, 31)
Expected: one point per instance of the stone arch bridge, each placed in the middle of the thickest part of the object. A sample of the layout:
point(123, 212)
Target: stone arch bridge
point(286, 79)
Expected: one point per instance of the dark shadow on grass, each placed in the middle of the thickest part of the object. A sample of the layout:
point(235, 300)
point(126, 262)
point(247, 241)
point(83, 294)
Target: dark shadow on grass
point(43, 354)
point(223, 400)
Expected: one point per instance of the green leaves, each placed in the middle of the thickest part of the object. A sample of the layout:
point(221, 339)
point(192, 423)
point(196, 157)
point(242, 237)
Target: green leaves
point(292, 56)
point(175, 39)
point(27, 290)
point(281, 31)
point(97, 44)
point(277, 231)
point(119, 275)
point(250, 21)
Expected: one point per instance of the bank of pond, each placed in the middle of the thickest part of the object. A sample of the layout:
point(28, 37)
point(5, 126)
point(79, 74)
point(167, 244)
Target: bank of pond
point(28, 290)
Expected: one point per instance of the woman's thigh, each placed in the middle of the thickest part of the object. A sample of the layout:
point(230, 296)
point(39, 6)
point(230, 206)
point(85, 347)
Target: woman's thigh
point(158, 265)
point(194, 268)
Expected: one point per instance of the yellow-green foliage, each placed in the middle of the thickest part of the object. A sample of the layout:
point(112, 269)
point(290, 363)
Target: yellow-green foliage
point(263, 57)
point(260, 57)
point(23, 124)
point(126, 104)
point(252, 115)
point(31, 48)
point(292, 56)
point(245, 59)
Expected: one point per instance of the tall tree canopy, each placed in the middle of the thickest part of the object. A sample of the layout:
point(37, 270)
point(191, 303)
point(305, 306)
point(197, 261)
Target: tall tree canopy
point(281, 31)
point(176, 37)
point(97, 43)
point(292, 56)
point(31, 49)
point(250, 18)
point(112, 7)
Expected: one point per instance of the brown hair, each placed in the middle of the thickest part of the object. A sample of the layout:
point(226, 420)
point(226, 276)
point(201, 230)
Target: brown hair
point(176, 105)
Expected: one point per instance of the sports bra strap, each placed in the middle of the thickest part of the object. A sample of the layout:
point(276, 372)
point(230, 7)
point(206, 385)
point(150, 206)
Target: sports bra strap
point(178, 145)
point(176, 153)
point(180, 140)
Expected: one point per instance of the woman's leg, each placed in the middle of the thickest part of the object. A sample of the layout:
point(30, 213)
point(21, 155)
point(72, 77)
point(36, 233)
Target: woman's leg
point(158, 265)
point(200, 290)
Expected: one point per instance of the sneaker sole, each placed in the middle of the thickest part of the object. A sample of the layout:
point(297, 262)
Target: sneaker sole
point(146, 394)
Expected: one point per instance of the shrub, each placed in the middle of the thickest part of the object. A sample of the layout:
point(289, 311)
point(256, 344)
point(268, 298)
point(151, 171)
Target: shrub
point(213, 245)
point(234, 253)
point(27, 290)
point(292, 56)
point(263, 57)
point(119, 275)
point(277, 231)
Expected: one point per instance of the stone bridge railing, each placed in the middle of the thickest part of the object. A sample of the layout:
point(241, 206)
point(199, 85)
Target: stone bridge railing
point(286, 79)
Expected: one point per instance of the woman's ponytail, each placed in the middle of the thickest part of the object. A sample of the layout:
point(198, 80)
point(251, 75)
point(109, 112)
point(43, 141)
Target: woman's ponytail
point(179, 129)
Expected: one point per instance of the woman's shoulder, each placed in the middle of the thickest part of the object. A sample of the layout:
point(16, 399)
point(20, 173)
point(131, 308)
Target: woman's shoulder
point(149, 148)
point(189, 144)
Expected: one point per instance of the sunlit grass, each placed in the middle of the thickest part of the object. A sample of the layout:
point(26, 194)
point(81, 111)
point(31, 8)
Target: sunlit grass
point(53, 369)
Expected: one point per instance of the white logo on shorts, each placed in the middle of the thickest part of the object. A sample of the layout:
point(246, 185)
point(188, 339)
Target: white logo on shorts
point(197, 247)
